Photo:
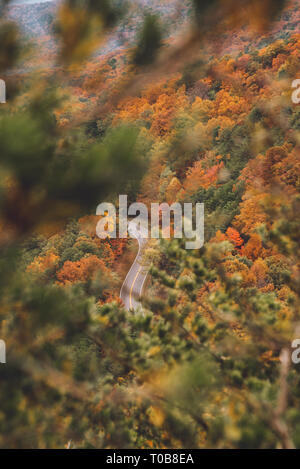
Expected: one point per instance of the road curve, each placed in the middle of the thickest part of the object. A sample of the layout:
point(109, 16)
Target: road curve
point(132, 288)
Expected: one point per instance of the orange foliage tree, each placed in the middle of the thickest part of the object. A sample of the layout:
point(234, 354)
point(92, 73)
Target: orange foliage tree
point(81, 271)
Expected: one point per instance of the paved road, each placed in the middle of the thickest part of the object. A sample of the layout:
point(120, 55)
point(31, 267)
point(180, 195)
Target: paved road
point(132, 288)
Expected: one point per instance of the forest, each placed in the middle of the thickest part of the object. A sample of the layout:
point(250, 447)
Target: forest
point(165, 101)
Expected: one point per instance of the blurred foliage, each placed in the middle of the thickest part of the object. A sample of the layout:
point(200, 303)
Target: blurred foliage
point(217, 12)
point(149, 41)
point(10, 48)
point(42, 168)
point(81, 26)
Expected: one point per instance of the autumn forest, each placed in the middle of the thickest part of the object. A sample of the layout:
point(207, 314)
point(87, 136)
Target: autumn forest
point(190, 101)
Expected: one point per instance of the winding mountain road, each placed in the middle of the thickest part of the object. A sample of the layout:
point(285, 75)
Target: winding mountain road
point(132, 288)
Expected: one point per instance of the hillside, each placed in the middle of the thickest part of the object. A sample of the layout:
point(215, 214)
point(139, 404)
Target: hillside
point(192, 106)
point(37, 20)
